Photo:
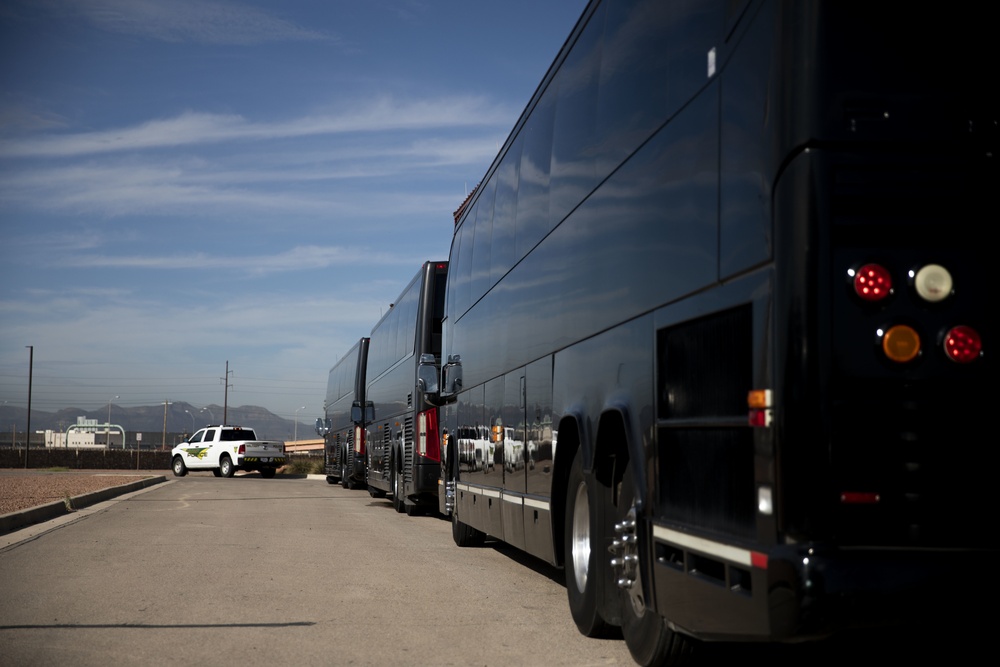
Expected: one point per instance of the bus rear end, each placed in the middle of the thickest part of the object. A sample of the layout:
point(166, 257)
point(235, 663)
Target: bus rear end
point(884, 472)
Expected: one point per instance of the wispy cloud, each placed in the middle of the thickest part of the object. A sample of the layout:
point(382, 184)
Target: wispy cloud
point(380, 115)
point(199, 21)
point(296, 259)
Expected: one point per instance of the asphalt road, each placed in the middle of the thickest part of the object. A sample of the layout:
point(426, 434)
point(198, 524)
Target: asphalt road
point(248, 571)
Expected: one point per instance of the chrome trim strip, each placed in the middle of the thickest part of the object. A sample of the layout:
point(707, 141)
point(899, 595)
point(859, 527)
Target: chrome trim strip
point(513, 499)
point(724, 551)
point(538, 504)
point(481, 490)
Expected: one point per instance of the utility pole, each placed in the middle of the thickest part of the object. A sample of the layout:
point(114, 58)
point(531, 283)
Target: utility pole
point(31, 369)
point(165, 404)
point(225, 399)
point(107, 429)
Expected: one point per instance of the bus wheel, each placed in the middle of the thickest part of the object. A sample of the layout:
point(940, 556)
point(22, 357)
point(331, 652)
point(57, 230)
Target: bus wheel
point(464, 534)
point(647, 636)
point(580, 533)
point(398, 503)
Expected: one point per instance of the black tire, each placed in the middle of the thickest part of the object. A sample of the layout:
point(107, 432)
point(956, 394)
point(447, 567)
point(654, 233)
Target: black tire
point(582, 548)
point(215, 471)
point(330, 479)
point(398, 502)
point(646, 634)
point(268, 473)
point(226, 467)
point(464, 534)
point(351, 482)
point(178, 466)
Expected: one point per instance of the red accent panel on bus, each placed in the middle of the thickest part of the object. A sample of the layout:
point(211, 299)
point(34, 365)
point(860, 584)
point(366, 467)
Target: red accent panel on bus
point(428, 444)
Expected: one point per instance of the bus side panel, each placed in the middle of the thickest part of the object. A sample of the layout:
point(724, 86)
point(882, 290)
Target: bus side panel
point(710, 352)
point(539, 450)
point(591, 272)
point(477, 504)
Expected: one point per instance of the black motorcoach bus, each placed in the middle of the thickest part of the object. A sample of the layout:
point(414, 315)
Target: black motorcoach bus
point(716, 337)
point(402, 439)
point(342, 427)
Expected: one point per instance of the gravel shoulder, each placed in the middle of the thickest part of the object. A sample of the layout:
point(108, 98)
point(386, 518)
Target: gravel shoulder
point(23, 490)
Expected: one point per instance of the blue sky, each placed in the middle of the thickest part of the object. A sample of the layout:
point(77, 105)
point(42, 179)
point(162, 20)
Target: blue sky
point(189, 182)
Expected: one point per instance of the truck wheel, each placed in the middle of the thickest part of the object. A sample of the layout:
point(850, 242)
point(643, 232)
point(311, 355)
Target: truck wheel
point(582, 546)
point(215, 471)
point(226, 466)
point(179, 468)
point(647, 636)
point(267, 473)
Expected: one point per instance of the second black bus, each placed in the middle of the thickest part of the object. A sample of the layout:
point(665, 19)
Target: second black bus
point(402, 428)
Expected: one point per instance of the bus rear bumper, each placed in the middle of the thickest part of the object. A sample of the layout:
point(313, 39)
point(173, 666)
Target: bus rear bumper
point(817, 592)
point(812, 592)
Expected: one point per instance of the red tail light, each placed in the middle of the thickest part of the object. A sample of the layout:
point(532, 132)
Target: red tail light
point(962, 344)
point(243, 449)
point(872, 282)
point(428, 444)
point(760, 403)
point(860, 498)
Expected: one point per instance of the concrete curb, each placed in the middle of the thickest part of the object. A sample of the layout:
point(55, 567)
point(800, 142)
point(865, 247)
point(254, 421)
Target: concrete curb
point(15, 520)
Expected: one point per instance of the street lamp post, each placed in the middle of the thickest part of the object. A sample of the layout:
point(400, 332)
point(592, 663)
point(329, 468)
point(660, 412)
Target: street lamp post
point(192, 420)
point(211, 414)
point(295, 438)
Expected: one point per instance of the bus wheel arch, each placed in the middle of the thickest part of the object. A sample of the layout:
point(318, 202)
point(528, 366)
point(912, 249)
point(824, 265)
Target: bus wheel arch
point(569, 443)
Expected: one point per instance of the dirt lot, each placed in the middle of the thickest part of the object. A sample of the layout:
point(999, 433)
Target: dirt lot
point(30, 488)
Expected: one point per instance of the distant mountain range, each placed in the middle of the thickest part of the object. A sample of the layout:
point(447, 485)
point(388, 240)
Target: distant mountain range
point(181, 417)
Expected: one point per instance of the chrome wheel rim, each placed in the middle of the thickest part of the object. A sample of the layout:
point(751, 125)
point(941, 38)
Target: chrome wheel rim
point(580, 538)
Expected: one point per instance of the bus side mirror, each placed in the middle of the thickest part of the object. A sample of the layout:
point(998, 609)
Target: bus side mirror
point(369, 413)
point(451, 377)
point(427, 376)
point(322, 426)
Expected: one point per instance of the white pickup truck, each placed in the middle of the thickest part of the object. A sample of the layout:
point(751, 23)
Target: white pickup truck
point(226, 449)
